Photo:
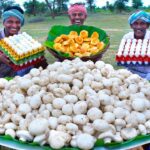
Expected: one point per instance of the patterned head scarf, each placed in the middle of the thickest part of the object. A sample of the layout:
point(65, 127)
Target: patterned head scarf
point(77, 7)
point(13, 13)
point(139, 15)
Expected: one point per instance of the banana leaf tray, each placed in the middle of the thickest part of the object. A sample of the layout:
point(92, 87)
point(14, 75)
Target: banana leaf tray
point(9, 142)
point(57, 30)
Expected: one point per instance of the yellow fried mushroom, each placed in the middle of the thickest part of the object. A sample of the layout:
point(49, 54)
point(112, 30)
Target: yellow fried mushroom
point(84, 34)
point(95, 35)
point(79, 45)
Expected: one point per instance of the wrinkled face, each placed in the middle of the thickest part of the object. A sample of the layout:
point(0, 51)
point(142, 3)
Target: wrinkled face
point(139, 27)
point(12, 26)
point(77, 18)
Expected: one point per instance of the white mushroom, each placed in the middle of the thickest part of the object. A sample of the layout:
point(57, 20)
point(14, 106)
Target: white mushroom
point(71, 98)
point(24, 109)
point(108, 136)
point(3, 83)
point(41, 139)
point(101, 125)
point(109, 117)
point(53, 122)
point(89, 129)
point(10, 132)
point(58, 139)
point(71, 128)
point(58, 103)
point(94, 113)
point(24, 135)
point(80, 119)
point(119, 124)
point(38, 126)
point(80, 107)
point(64, 119)
point(142, 129)
point(85, 141)
point(128, 133)
point(138, 104)
point(67, 109)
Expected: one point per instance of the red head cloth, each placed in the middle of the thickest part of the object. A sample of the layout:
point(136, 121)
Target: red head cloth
point(77, 7)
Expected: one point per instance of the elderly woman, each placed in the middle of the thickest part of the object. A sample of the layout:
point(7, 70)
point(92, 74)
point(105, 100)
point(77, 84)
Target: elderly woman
point(139, 22)
point(13, 20)
point(77, 13)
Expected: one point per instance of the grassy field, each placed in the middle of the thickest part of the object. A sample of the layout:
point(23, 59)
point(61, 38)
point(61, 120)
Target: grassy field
point(114, 24)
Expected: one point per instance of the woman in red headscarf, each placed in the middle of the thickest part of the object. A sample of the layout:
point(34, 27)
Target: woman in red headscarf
point(77, 13)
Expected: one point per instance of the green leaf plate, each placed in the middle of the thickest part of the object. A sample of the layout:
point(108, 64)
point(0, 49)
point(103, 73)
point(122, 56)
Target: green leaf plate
point(57, 30)
point(9, 142)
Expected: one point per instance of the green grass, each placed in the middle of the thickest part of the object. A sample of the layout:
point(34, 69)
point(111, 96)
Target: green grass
point(114, 24)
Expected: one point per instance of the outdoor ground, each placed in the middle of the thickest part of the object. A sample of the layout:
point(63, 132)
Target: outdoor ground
point(115, 25)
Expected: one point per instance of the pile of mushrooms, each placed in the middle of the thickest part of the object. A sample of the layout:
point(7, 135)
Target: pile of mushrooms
point(74, 103)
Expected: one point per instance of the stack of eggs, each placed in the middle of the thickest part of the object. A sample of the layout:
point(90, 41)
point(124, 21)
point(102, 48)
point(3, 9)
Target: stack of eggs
point(22, 50)
point(133, 52)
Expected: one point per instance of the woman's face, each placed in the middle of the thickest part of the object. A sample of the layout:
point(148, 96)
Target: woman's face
point(12, 26)
point(139, 27)
point(77, 18)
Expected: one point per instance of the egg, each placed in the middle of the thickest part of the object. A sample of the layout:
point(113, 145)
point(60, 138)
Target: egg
point(125, 54)
point(143, 53)
point(128, 40)
point(131, 54)
point(137, 53)
point(139, 41)
point(134, 41)
point(119, 54)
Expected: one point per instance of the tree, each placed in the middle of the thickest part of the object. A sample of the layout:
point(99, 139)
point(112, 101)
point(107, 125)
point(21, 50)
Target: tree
point(35, 7)
point(120, 5)
point(137, 3)
point(56, 7)
point(4, 4)
point(110, 6)
point(51, 6)
point(91, 4)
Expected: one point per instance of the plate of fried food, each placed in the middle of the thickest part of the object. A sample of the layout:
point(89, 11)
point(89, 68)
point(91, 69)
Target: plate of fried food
point(69, 42)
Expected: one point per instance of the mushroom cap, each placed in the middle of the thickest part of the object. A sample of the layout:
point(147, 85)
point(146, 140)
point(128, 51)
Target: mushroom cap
point(24, 134)
point(38, 126)
point(128, 133)
point(85, 141)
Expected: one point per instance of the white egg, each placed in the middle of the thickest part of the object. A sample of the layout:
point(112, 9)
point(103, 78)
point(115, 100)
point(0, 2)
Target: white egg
point(148, 53)
point(137, 54)
point(139, 41)
point(134, 41)
point(128, 40)
point(119, 53)
point(131, 54)
point(125, 54)
point(143, 53)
